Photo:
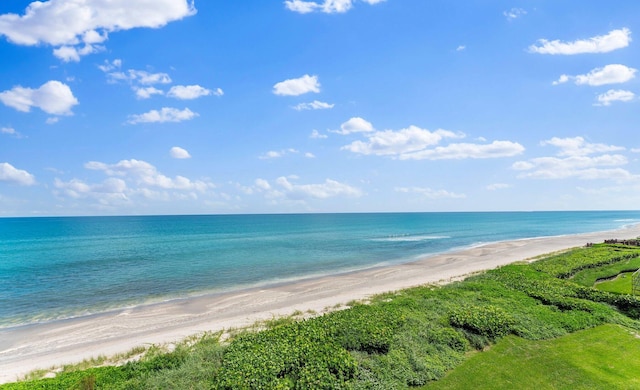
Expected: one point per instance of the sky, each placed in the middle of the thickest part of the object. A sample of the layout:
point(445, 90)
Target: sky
point(119, 107)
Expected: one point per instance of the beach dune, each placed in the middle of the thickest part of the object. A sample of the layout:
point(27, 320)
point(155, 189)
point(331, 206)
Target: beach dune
point(26, 348)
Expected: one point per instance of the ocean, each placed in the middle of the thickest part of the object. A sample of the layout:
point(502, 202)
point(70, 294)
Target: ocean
point(62, 267)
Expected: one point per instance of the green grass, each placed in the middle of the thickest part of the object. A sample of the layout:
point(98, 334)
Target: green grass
point(589, 277)
point(599, 358)
point(620, 285)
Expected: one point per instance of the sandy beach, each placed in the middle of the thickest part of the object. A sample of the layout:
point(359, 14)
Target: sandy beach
point(24, 349)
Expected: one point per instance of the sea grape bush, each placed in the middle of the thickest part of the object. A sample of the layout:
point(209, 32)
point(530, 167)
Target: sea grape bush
point(489, 321)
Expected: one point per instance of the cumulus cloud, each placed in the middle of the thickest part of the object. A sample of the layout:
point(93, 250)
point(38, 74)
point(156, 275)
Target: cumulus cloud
point(314, 105)
point(147, 92)
point(614, 95)
point(299, 86)
point(610, 74)
point(10, 131)
point(355, 125)
point(144, 174)
point(430, 193)
point(328, 189)
point(328, 6)
point(278, 153)
point(414, 143)
point(578, 146)
point(514, 13)
point(390, 142)
point(615, 39)
point(577, 158)
point(315, 134)
point(461, 151)
point(166, 114)
point(77, 28)
point(179, 153)
point(10, 174)
point(188, 92)
point(52, 97)
point(141, 77)
point(107, 192)
point(497, 186)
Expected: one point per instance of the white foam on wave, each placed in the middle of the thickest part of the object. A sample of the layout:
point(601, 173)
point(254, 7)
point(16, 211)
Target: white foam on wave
point(409, 238)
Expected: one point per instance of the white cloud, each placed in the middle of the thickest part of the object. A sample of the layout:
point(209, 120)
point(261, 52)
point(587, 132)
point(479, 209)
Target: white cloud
point(430, 193)
point(390, 142)
point(328, 189)
point(9, 131)
point(277, 154)
point(414, 143)
point(166, 114)
point(615, 39)
point(271, 154)
point(460, 151)
point(579, 159)
point(615, 95)
point(315, 134)
point(52, 120)
point(309, 155)
point(179, 153)
point(109, 191)
point(563, 79)
point(299, 86)
point(314, 105)
point(52, 97)
point(577, 146)
point(188, 92)
point(144, 174)
point(355, 125)
point(328, 6)
point(109, 66)
point(147, 92)
point(263, 184)
point(461, 48)
point(497, 186)
point(514, 13)
point(140, 76)
point(70, 53)
point(218, 92)
point(11, 174)
point(74, 28)
point(610, 74)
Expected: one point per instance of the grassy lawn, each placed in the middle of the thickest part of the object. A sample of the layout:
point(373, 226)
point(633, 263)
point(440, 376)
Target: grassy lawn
point(599, 358)
point(620, 285)
point(589, 276)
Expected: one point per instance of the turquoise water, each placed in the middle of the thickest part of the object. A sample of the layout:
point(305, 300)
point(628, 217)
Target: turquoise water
point(52, 268)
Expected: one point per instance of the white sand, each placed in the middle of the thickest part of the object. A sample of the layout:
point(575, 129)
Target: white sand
point(25, 349)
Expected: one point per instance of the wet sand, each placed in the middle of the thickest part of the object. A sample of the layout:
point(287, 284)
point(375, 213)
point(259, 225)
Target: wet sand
point(24, 349)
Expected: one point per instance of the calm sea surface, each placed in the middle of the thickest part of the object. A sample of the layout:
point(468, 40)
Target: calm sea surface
point(52, 268)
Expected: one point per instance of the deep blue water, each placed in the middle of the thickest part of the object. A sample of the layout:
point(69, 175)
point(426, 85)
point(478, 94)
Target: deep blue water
point(53, 268)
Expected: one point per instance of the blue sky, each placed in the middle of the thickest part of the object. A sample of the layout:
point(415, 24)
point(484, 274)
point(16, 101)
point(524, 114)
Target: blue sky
point(178, 107)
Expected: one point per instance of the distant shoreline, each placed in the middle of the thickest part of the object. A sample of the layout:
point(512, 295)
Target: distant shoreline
point(29, 347)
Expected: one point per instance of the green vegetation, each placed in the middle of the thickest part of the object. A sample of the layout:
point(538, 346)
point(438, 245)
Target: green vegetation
point(621, 284)
point(399, 340)
point(598, 358)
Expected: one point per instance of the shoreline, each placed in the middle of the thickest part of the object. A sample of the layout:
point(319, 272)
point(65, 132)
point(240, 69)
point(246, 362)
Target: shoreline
point(42, 345)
